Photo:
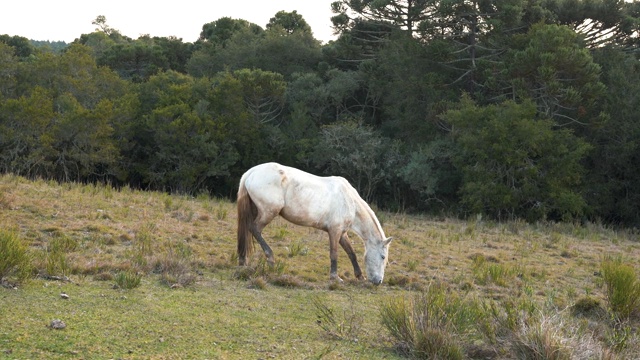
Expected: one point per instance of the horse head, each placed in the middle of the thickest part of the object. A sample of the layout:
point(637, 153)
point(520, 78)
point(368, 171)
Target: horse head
point(375, 259)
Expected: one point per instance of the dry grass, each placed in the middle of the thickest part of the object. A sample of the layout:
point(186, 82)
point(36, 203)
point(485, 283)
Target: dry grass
point(91, 234)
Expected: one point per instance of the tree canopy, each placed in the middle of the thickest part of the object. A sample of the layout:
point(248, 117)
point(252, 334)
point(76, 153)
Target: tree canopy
point(508, 109)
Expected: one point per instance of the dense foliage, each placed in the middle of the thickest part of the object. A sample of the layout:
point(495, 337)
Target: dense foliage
point(509, 109)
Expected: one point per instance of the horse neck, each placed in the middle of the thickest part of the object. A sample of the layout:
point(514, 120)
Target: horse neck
point(366, 224)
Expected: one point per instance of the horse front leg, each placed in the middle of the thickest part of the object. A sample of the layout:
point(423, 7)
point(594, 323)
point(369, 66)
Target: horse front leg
point(333, 255)
point(346, 245)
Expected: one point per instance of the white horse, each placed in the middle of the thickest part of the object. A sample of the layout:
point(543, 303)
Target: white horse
point(326, 203)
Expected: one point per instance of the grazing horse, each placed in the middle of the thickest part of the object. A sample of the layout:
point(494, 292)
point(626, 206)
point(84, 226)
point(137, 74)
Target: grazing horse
point(326, 203)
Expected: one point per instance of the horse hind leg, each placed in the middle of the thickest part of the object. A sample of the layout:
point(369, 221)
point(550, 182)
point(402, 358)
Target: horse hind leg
point(265, 247)
point(260, 223)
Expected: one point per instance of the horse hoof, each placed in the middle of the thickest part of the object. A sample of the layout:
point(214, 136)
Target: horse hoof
point(336, 278)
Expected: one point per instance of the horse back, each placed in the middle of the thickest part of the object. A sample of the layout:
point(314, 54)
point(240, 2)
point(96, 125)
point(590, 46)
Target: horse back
point(300, 197)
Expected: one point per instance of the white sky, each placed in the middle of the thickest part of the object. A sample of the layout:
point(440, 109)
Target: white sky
point(66, 20)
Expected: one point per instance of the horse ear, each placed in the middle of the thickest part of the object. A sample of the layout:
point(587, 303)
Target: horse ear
point(388, 240)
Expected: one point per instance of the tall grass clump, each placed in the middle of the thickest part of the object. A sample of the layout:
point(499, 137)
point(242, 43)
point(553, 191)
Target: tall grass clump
point(55, 257)
point(431, 325)
point(344, 325)
point(15, 260)
point(128, 280)
point(175, 265)
point(622, 288)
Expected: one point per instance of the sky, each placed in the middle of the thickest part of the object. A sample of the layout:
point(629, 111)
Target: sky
point(66, 20)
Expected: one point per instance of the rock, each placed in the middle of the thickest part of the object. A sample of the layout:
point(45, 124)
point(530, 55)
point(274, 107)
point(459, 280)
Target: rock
point(64, 296)
point(57, 324)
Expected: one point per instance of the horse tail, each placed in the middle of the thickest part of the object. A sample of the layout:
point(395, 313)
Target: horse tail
point(246, 216)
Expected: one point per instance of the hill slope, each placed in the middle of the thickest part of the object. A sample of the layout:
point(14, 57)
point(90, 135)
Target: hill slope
point(194, 302)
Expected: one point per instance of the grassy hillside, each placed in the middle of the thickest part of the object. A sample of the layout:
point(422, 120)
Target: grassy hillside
point(151, 275)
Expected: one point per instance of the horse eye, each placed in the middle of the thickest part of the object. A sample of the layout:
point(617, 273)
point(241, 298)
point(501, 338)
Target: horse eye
point(383, 257)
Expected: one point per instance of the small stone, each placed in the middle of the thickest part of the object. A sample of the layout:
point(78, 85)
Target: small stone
point(57, 324)
point(64, 296)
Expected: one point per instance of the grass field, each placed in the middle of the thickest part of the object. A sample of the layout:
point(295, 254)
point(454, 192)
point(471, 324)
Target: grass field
point(153, 276)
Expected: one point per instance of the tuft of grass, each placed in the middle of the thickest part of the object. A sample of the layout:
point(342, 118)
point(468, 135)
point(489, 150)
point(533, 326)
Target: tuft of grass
point(586, 306)
point(298, 248)
point(429, 325)
point(487, 271)
point(175, 265)
point(261, 269)
point(15, 261)
point(345, 325)
point(258, 283)
point(288, 281)
point(622, 287)
point(541, 340)
point(221, 212)
point(127, 280)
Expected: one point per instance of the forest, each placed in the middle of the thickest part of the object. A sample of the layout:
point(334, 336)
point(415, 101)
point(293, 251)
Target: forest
point(506, 109)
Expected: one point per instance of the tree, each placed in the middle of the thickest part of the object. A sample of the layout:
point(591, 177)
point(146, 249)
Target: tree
point(24, 123)
point(289, 22)
point(244, 48)
point(21, 45)
point(79, 142)
point(515, 165)
point(358, 153)
point(549, 65)
point(601, 22)
point(263, 93)
point(8, 70)
point(219, 32)
point(405, 15)
point(179, 142)
point(613, 182)
point(101, 23)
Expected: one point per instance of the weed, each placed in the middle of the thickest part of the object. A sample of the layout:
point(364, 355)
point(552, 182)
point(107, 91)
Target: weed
point(488, 270)
point(586, 306)
point(258, 283)
point(261, 269)
point(127, 280)
point(288, 281)
point(297, 248)
point(281, 233)
point(344, 326)
point(412, 265)
point(430, 325)
point(144, 238)
point(15, 260)
point(540, 340)
point(622, 287)
point(406, 242)
point(221, 212)
point(175, 265)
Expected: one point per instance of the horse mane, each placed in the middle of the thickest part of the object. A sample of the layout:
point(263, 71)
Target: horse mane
point(368, 214)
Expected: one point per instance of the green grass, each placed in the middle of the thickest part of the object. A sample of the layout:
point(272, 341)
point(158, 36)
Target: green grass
point(187, 298)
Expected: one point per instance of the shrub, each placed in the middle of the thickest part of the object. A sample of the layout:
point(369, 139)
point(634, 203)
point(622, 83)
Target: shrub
point(622, 287)
point(15, 260)
point(431, 324)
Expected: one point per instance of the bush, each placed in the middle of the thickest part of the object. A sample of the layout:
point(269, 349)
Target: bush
point(15, 260)
point(430, 325)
